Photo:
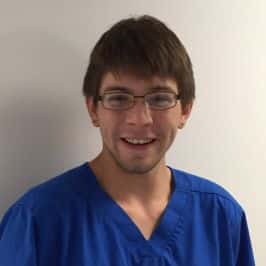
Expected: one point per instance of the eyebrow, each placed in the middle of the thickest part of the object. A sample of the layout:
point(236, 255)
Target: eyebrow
point(129, 90)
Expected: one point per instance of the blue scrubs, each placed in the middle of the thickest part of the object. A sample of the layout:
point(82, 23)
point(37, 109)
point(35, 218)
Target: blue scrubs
point(71, 221)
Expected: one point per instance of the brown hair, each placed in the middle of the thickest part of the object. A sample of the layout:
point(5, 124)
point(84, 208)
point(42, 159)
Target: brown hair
point(144, 46)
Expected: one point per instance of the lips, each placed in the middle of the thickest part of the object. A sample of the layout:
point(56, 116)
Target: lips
point(138, 141)
point(138, 144)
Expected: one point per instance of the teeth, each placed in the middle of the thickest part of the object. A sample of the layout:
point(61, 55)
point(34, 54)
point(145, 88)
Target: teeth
point(138, 141)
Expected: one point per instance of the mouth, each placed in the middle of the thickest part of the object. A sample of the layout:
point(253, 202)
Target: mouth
point(138, 142)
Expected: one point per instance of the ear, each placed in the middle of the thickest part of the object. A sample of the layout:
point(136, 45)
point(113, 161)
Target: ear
point(186, 110)
point(92, 110)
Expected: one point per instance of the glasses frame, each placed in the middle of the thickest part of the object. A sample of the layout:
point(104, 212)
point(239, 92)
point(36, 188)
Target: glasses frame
point(101, 99)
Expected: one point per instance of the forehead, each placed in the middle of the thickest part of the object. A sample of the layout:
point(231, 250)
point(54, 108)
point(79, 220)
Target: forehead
point(136, 84)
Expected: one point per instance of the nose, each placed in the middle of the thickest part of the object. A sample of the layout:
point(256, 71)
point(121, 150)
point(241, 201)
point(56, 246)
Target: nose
point(139, 114)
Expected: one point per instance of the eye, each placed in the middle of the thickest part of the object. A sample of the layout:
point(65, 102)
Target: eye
point(117, 99)
point(161, 99)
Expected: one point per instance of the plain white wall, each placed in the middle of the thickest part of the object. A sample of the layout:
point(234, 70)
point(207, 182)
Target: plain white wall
point(44, 126)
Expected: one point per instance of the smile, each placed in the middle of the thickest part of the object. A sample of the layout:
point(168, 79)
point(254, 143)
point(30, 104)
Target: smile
point(138, 141)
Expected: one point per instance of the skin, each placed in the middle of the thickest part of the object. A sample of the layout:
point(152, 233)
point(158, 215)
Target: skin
point(137, 179)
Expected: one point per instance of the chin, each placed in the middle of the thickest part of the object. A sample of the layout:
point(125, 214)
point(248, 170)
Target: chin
point(137, 168)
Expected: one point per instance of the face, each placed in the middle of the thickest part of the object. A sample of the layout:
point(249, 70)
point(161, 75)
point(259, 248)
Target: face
point(124, 132)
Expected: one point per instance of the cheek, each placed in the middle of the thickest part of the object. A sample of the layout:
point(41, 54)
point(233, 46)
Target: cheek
point(109, 127)
point(169, 128)
point(168, 121)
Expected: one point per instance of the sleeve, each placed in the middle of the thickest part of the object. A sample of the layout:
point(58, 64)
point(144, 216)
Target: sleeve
point(17, 238)
point(245, 254)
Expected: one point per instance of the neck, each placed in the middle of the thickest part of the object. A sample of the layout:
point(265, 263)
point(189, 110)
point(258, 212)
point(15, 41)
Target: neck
point(133, 189)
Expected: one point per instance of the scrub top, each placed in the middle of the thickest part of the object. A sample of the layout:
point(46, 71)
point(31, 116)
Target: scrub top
point(71, 221)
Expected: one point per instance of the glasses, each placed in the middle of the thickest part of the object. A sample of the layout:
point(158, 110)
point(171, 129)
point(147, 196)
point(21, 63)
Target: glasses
point(155, 100)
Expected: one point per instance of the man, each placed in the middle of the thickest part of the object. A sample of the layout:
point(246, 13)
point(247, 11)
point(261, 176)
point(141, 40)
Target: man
point(126, 207)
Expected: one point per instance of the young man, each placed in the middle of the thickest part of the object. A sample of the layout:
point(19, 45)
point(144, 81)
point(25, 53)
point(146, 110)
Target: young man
point(126, 207)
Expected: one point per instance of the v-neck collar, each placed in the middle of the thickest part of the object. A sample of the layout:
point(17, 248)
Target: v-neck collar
point(169, 226)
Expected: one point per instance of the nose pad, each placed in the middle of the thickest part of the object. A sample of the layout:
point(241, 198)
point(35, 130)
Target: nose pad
point(139, 113)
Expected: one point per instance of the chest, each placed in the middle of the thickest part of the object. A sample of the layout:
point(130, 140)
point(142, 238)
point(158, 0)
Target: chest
point(181, 234)
point(145, 219)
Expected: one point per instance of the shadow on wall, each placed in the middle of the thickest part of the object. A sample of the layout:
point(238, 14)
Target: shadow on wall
point(41, 77)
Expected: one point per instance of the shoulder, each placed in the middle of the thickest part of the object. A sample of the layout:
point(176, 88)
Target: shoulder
point(58, 192)
point(207, 193)
point(213, 210)
point(201, 185)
